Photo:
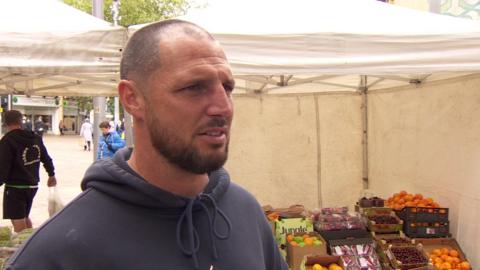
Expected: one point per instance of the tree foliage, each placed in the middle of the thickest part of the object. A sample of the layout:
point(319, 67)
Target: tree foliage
point(138, 11)
point(132, 12)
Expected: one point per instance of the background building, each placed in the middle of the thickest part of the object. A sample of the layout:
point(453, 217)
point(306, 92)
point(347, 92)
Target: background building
point(51, 109)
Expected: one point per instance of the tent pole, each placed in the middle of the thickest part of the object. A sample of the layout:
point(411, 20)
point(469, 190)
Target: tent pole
point(99, 103)
point(319, 156)
point(363, 87)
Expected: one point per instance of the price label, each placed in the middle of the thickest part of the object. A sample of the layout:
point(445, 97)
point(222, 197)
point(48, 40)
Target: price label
point(430, 231)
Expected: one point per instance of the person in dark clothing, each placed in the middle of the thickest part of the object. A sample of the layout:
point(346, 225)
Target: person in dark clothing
point(27, 124)
point(167, 203)
point(39, 127)
point(21, 152)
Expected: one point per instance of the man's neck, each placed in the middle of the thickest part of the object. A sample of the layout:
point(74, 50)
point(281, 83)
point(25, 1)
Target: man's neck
point(10, 128)
point(156, 170)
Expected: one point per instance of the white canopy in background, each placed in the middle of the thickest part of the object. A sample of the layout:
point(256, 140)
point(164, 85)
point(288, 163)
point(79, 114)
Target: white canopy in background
point(329, 44)
point(50, 48)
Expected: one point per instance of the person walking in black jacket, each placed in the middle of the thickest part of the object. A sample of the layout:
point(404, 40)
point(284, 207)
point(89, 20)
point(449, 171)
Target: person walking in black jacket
point(21, 152)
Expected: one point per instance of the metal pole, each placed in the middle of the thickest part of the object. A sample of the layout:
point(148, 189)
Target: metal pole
point(9, 102)
point(116, 118)
point(364, 88)
point(98, 102)
point(115, 11)
point(128, 129)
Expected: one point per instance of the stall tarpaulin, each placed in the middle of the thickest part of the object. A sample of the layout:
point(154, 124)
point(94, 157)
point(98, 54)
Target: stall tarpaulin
point(49, 48)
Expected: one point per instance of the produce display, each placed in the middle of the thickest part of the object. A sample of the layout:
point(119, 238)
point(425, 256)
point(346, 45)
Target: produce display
point(305, 240)
point(404, 228)
point(446, 258)
point(10, 242)
point(396, 241)
point(403, 199)
point(333, 219)
point(409, 257)
point(371, 202)
point(357, 257)
point(384, 219)
point(332, 266)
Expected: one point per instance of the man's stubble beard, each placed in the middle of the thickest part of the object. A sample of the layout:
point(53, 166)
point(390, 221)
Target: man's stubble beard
point(179, 152)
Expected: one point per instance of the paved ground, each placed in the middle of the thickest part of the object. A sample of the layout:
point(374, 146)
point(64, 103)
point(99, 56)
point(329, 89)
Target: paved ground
point(70, 164)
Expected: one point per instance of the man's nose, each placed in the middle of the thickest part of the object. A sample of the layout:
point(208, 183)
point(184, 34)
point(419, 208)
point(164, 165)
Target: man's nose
point(220, 102)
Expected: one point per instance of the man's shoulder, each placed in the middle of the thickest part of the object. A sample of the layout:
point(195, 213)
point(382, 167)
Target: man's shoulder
point(238, 194)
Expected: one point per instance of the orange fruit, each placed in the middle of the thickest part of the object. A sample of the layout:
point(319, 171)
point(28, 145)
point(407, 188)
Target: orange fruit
point(456, 260)
point(418, 196)
point(453, 253)
point(446, 265)
point(294, 244)
point(403, 193)
point(464, 265)
point(290, 237)
point(445, 251)
point(308, 241)
point(437, 252)
point(438, 260)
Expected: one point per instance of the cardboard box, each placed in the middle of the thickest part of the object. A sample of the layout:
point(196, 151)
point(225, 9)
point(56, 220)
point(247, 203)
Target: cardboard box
point(430, 244)
point(322, 260)
point(398, 264)
point(286, 226)
point(295, 254)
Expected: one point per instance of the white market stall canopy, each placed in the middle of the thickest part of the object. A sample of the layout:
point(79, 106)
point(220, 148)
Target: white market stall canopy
point(319, 45)
point(49, 48)
point(274, 46)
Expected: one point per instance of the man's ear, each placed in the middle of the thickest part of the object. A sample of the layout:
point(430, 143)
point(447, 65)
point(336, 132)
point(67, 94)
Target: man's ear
point(132, 98)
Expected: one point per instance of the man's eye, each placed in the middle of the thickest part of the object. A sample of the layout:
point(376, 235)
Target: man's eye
point(228, 87)
point(194, 87)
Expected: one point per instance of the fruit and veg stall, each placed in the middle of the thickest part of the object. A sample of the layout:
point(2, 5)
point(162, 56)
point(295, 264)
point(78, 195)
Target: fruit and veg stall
point(404, 231)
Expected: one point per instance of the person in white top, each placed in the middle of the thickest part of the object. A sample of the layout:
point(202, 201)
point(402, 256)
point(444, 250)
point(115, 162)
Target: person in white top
point(86, 131)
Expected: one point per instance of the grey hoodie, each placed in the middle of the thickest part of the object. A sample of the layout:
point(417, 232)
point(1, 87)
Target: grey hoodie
point(121, 221)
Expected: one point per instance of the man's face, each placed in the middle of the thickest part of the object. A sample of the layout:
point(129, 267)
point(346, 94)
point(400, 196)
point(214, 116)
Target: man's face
point(104, 130)
point(188, 104)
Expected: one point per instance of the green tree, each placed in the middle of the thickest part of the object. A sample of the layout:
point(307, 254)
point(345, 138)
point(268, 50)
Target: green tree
point(138, 11)
point(132, 12)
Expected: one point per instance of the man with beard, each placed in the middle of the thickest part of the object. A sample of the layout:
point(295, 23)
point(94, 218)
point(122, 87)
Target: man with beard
point(167, 203)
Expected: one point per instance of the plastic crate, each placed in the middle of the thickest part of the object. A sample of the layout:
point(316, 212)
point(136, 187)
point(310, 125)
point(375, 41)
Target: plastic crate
point(426, 230)
point(423, 214)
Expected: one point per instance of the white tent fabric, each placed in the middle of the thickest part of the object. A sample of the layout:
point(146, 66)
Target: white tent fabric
point(50, 48)
point(272, 44)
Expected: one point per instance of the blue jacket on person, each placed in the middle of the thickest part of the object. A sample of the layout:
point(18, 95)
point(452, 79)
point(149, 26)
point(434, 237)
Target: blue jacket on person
point(109, 144)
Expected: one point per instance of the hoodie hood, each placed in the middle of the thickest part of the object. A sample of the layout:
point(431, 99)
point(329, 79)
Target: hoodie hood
point(115, 178)
point(22, 137)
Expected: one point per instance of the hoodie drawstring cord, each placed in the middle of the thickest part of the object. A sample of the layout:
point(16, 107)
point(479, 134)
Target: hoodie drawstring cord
point(192, 234)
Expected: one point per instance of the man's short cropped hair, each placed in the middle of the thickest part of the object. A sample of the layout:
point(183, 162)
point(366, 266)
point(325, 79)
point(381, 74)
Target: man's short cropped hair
point(142, 54)
point(104, 124)
point(13, 117)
